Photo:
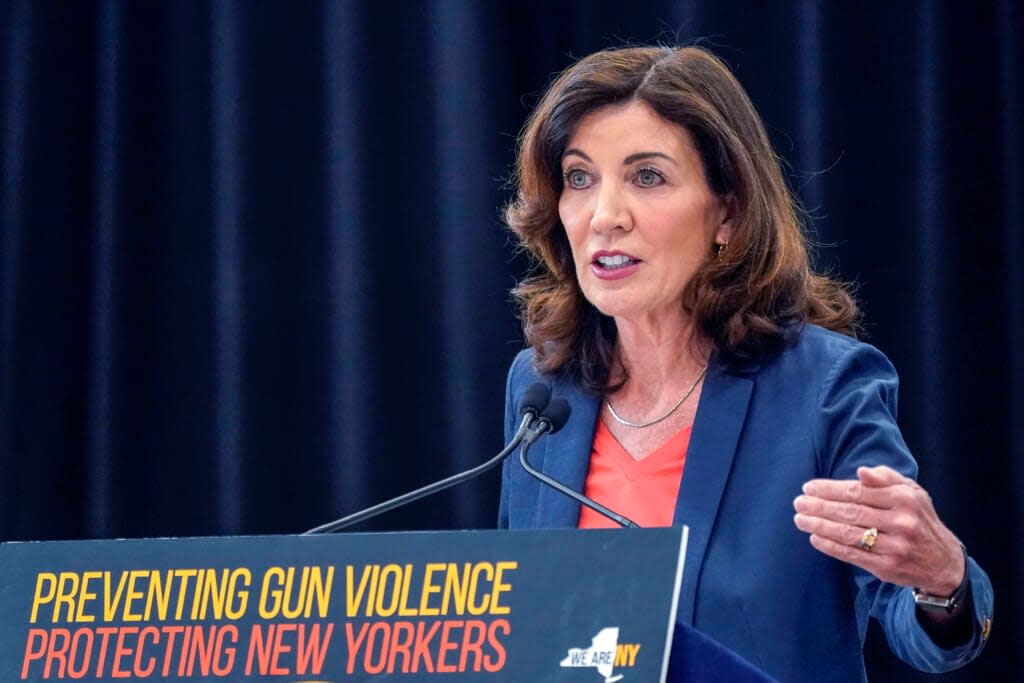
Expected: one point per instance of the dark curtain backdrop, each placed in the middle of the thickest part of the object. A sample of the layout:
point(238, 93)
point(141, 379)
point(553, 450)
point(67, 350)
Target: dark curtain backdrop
point(253, 274)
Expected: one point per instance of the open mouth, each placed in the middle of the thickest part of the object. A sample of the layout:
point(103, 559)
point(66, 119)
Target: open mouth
point(615, 262)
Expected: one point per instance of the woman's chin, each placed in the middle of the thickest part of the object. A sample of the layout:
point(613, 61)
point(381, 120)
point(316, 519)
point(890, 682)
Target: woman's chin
point(622, 308)
point(636, 309)
point(613, 307)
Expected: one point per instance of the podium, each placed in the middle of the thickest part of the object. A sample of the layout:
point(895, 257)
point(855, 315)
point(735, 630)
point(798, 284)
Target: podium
point(549, 605)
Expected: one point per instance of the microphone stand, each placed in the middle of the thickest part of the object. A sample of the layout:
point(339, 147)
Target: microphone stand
point(409, 497)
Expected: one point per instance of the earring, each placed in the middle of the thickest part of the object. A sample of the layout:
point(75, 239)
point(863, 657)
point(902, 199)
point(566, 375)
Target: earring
point(719, 248)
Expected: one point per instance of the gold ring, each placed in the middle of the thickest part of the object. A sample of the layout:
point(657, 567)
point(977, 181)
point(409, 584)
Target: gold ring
point(867, 541)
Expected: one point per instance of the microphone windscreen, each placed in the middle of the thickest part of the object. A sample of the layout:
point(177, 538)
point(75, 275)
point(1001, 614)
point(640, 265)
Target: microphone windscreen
point(557, 414)
point(535, 398)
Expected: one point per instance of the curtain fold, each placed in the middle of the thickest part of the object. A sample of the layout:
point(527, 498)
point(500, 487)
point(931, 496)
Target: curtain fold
point(351, 363)
point(253, 274)
point(102, 342)
point(932, 328)
point(17, 25)
point(227, 238)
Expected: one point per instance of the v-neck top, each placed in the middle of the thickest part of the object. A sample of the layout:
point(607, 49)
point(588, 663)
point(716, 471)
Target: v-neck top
point(644, 490)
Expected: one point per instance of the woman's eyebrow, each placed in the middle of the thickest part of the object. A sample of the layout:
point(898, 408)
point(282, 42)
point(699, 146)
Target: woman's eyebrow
point(577, 152)
point(640, 156)
point(631, 159)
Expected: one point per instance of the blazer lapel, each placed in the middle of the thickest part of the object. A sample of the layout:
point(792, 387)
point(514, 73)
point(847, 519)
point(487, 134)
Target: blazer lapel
point(565, 456)
point(716, 431)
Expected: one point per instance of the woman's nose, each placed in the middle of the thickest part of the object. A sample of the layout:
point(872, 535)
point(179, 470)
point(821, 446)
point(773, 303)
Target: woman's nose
point(610, 211)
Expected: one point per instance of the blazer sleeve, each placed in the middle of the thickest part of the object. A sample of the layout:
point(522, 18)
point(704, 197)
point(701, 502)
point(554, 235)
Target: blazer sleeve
point(857, 427)
point(512, 384)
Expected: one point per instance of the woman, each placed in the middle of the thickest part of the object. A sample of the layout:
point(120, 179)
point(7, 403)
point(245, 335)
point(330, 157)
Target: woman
point(715, 381)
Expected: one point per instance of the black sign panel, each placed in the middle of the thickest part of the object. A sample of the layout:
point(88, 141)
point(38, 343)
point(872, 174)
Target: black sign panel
point(558, 605)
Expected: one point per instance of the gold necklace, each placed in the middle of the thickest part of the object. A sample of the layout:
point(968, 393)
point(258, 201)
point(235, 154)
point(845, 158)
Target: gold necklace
point(641, 425)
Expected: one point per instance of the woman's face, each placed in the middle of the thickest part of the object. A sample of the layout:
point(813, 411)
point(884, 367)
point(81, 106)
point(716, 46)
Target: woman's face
point(637, 210)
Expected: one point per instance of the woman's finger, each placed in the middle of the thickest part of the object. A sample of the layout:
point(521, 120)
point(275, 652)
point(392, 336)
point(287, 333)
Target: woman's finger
point(883, 476)
point(861, 558)
point(841, 533)
point(851, 491)
point(855, 514)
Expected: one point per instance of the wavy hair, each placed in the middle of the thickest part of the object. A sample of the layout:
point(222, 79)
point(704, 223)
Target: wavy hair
point(749, 300)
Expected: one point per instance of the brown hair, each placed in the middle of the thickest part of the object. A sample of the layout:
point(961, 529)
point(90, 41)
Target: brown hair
point(749, 301)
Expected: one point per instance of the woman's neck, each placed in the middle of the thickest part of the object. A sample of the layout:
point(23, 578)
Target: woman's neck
point(659, 355)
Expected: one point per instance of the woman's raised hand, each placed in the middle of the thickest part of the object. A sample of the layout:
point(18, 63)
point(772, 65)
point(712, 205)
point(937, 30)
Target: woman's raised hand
point(885, 523)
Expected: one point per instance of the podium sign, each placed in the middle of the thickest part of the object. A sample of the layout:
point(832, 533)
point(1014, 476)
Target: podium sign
point(558, 605)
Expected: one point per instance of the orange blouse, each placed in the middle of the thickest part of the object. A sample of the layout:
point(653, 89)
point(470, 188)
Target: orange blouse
point(643, 490)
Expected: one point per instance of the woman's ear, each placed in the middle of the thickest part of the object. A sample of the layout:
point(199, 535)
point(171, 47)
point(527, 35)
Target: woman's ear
point(727, 219)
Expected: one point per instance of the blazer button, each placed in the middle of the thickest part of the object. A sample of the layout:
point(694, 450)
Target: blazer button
point(986, 628)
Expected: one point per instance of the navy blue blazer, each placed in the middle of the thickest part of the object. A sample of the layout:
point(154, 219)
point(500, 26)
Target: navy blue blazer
point(821, 408)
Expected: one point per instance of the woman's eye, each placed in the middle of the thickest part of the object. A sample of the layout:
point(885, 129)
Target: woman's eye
point(648, 177)
point(576, 179)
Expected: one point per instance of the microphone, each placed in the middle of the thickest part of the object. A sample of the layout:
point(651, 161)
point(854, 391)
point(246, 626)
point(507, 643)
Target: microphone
point(554, 417)
point(550, 421)
point(536, 399)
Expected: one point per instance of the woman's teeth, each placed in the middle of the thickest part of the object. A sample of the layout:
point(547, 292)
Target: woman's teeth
point(617, 261)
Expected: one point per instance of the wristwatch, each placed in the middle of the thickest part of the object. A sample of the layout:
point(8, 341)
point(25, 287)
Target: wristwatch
point(931, 602)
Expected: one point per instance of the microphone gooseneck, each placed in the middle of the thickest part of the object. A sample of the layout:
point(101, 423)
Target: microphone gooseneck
point(550, 421)
point(535, 404)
